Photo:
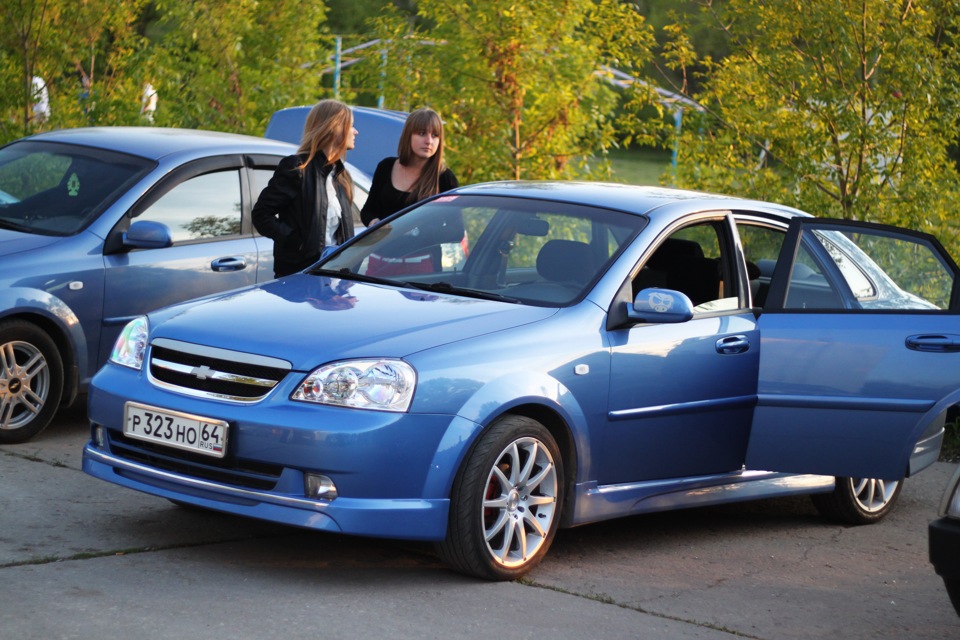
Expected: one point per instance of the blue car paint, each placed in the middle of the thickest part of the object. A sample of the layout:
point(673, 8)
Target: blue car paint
point(842, 365)
point(478, 360)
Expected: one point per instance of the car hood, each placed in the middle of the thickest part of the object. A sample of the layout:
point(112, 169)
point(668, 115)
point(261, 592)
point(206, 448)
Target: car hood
point(309, 320)
point(12, 242)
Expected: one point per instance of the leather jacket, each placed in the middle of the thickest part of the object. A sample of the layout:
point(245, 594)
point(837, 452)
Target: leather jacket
point(292, 210)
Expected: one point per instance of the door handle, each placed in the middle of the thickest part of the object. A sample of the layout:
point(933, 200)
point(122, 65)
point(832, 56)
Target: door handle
point(936, 342)
point(732, 345)
point(232, 263)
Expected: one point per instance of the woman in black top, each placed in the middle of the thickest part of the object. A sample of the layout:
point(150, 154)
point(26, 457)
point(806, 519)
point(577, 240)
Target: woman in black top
point(308, 202)
point(416, 173)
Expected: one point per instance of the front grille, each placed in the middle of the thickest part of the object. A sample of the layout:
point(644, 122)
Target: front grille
point(214, 373)
point(234, 472)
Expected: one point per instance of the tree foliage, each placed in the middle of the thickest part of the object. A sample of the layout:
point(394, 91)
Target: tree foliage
point(516, 82)
point(229, 65)
point(840, 107)
point(85, 51)
point(215, 65)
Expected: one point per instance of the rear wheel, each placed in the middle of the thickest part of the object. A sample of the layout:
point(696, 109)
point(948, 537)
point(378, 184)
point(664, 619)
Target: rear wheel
point(506, 500)
point(858, 500)
point(31, 380)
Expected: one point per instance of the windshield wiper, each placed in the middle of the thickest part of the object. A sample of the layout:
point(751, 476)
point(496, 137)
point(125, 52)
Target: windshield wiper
point(8, 224)
point(446, 287)
point(346, 274)
point(433, 287)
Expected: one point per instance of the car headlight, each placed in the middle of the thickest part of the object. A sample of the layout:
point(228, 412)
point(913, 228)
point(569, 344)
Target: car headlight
point(382, 384)
point(131, 344)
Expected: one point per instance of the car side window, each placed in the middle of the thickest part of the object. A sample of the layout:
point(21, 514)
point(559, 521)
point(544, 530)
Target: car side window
point(691, 261)
point(868, 269)
point(761, 247)
point(201, 208)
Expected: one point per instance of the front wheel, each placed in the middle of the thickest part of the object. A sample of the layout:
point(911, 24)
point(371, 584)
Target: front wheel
point(506, 501)
point(858, 500)
point(31, 381)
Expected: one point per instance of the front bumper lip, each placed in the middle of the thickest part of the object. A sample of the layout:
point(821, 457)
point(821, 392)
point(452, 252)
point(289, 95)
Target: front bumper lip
point(407, 519)
point(201, 485)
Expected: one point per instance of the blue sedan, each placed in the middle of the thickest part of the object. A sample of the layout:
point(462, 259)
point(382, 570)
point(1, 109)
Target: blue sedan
point(101, 225)
point(511, 358)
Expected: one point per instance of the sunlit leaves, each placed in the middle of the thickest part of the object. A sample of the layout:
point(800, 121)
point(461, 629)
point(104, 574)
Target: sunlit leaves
point(841, 107)
point(517, 82)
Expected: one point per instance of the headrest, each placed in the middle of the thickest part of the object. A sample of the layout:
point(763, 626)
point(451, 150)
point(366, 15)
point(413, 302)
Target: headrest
point(564, 261)
point(673, 252)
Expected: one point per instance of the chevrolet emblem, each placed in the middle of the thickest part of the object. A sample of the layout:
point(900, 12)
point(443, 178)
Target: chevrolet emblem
point(202, 373)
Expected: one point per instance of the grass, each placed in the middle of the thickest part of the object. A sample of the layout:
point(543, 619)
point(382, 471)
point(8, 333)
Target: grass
point(639, 166)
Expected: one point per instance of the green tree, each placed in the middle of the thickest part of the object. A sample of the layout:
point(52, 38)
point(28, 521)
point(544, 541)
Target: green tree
point(843, 108)
point(354, 17)
point(63, 42)
point(518, 83)
point(229, 65)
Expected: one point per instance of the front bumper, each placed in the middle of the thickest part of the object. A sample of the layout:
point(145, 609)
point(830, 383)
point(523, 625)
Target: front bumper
point(401, 519)
point(393, 472)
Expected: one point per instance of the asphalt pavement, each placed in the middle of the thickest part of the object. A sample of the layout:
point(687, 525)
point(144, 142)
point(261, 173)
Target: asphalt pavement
point(80, 558)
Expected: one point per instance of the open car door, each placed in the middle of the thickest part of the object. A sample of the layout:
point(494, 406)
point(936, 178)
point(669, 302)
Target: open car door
point(859, 352)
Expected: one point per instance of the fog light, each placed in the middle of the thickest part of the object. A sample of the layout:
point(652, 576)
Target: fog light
point(319, 487)
point(100, 437)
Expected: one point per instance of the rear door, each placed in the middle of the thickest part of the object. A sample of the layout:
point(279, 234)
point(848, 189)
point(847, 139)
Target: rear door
point(860, 350)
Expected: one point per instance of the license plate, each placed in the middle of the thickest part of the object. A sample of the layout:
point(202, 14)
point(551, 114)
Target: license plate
point(174, 429)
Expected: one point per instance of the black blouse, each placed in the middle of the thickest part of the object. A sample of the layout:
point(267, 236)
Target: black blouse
point(385, 199)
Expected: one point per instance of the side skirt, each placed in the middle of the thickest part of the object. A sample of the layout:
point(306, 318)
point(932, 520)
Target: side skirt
point(594, 503)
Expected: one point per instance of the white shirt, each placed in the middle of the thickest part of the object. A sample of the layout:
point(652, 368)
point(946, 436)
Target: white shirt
point(334, 212)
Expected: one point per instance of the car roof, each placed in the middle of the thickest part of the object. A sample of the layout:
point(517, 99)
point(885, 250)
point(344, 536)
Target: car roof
point(641, 200)
point(156, 143)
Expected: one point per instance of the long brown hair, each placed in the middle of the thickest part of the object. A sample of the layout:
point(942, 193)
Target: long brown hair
point(428, 183)
point(327, 126)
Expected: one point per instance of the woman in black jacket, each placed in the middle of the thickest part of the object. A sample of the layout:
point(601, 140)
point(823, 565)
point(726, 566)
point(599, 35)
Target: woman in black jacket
point(417, 172)
point(308, 202)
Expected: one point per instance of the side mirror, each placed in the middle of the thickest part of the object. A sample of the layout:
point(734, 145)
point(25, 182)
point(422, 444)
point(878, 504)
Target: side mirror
point(661, 306)
point(146, 234)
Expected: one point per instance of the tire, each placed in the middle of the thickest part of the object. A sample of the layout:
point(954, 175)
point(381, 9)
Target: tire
point(858, 500)
point(31, 381)
point(506, 501)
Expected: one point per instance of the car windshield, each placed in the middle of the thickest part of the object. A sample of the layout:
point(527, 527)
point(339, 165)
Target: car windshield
point(512, 249)
point(58, 189)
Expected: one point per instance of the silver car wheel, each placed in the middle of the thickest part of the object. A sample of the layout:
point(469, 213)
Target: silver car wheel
point(859, 500)
point(24, 383)
point(31, 380)
point(520, 502)
point(873, 495)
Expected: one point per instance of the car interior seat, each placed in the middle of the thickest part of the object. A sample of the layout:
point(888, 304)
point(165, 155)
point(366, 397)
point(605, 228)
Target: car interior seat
point(684, 268)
